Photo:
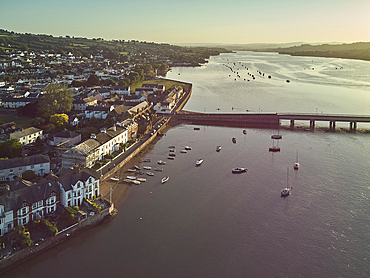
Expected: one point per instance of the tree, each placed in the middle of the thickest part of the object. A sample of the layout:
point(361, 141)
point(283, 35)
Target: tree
point(93, 80)
point(11, 148)
point(37, 122)
point(56, 98)
point(28, 175)
point(59, 119)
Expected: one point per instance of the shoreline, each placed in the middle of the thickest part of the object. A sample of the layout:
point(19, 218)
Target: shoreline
point(121, 188)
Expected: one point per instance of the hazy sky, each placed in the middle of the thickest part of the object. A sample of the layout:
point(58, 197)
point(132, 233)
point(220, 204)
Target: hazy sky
point(193, 21)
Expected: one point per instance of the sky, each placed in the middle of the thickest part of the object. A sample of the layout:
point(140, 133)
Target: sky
point(193, 21)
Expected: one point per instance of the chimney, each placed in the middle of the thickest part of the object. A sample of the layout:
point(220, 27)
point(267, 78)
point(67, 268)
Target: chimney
point(93, 136)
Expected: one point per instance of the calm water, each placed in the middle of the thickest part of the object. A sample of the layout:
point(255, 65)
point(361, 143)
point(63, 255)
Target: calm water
point(207, 222)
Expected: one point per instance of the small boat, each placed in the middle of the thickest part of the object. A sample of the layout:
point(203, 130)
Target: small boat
point(127, 180)
point(244, 131)
point(140, 173)
point(137, 167)
point(172, 147)
point(132, 170)
point(172, 150)
point(183, 151)
point(274, 149)
point(199, 162)
point(116, 178)
point(135, 182)
point(286, 191)
point(147, 167)
point(171, 157)
point(165, 179)
point(131, 177)
point(187, 148)
point(239, 170)
point(146, 160)
point(141, 179)
point(296, 164)
point(276, 136)
point(218, 148)
point(150, 174)
point(161, 162)
point(171, 154)
point(234, 140)
point(158, 169)
point(196, 128)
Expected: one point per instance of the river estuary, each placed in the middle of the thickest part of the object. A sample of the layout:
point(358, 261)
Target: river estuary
point(206, 221)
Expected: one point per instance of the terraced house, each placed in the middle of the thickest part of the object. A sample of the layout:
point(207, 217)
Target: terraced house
point(27, 136)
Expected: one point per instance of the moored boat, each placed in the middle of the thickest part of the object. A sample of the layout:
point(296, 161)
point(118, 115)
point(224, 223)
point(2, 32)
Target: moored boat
point(149, 173)
point(199, 162)
point(147, 167)
point(137, 167)
point(135, 182)
point(131, 177)
point(296, 164)
point(171, 157)
point(161, 162)
point(276, 136)
point(274, 149)
point(286, 191)
point(183, 151)
point(218, 148)
point(146, 160)
point(158, 169)
point(165, 179)
point(131, 170)
point(234, 140)
point(187, 148)
point(141, 179)
point(239, 170)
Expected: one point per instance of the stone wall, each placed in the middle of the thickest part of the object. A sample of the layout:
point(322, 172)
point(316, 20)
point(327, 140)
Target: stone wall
point(25, 254)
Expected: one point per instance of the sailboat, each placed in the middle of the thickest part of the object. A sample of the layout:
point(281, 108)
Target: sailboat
point(277, 136)
point(274, 148)
point(296, 164)
point(286, 191)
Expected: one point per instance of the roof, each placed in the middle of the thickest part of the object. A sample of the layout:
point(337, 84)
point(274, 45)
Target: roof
point(24, 161)
point(87, 146)
point(71, 177)
point(120, 109)
point(24, 132)
point(67, 134)
point(24, 191)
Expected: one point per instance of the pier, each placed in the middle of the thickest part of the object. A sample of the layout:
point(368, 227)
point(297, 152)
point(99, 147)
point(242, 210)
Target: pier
point(272, 120)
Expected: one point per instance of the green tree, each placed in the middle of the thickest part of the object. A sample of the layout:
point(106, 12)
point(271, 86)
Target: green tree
point(56, 98)
point(37, 122)
point(93, 80)
point(10, 148)
point(59, 120)
point(28, 175)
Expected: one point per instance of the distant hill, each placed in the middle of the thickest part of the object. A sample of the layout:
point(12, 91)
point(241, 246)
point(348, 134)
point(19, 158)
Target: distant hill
point(357, 50)
point(111, 49)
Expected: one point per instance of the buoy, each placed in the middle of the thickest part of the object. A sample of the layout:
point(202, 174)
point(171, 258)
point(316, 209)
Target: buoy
point(141, 218)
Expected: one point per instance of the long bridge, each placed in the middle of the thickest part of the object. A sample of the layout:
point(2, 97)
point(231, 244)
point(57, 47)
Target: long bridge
point(270, 119)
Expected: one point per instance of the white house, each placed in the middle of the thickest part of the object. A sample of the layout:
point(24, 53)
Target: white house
point(77, 186)
point(10, 168)
point(27, 136)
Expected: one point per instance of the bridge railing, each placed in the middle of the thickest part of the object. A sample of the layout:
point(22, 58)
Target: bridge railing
point(322, 115)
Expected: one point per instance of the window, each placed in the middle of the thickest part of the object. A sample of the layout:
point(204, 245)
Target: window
point(24, 220)
point(32, 166)
point(11, 170)
point(20, 168)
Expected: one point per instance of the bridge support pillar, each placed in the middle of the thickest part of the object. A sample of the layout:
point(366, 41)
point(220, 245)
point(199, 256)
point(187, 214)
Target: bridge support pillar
point(312, 124)
point(352, 126)
point(291, 124)
point(332, 125)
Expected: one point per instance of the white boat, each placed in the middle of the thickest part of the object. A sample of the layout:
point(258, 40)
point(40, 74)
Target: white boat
point(116, 178)
point(183, 151)
point(286, 191)
point(187, 148)
point(239, 170)
point(161, 162)
point(137, 167)
point(149, 173)
point(171, 157)
point(141, 179)
point(274, 148)
point(131, 177)
point(172, 150)
point(146, 160)
point(147, 167)
point(135, 182)
point(132, 170)
point(165, 179)
point(296, 164)
point(218, 148)
point(158, 169)
point(244, 131)
point(199, 162)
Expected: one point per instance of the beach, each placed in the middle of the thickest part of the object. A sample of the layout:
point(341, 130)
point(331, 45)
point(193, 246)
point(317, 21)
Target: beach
point(121, 188)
